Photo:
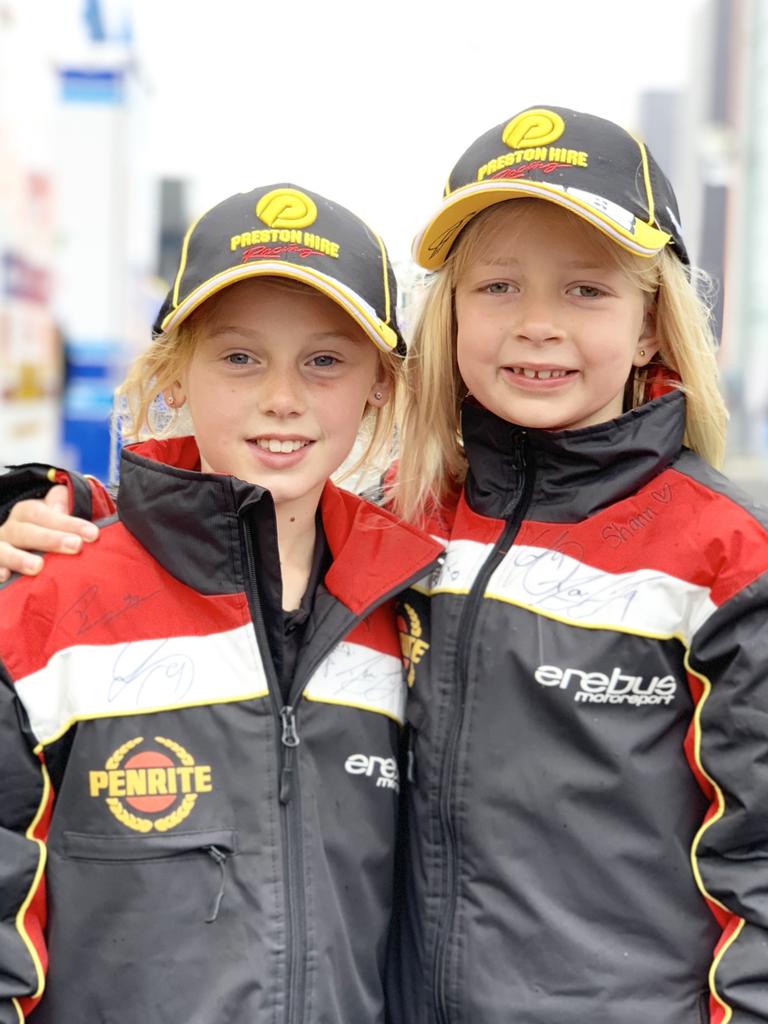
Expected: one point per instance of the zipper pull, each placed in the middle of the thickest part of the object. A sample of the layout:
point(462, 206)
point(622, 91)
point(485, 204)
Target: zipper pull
point(289, 739)
point(216, 854)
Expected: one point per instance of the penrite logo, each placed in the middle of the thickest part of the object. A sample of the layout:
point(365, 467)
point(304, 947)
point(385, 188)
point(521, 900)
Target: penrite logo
point(153, 789)
point(617, 688)
point(383, 769)
point(412, 645)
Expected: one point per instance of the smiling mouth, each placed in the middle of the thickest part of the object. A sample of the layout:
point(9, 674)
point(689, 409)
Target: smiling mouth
point(521, 371)
point(278, 445)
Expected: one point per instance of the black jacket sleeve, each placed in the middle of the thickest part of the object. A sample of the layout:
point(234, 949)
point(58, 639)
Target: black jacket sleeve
point(23, 797)
point(88, 498)
point(729, 655)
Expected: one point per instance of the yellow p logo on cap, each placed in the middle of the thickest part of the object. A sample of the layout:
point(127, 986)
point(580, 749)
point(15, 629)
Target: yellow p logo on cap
point(286, 208)
point(533, 128)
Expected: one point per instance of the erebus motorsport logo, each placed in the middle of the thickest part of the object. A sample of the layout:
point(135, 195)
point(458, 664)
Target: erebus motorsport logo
point(620, 687)
point(152, 788)
point(383, 769)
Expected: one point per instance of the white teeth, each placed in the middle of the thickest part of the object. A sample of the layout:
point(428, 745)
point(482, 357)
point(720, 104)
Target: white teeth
point(274, 444)
point(538, 374)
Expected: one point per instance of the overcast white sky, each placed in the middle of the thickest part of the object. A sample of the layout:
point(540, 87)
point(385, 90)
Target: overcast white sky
point(370, 102)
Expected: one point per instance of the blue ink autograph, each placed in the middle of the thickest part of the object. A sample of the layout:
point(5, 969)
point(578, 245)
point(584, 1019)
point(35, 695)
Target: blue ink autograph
point(82, 610)
point(363, 679)
point(555, 583)
point(176, 674)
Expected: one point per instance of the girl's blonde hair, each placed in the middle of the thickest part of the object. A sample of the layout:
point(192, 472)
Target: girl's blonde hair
point(432, 463)
point(167, 357)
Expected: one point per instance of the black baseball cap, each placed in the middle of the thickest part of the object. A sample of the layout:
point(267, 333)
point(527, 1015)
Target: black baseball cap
point(285, 230)
point(588, 165)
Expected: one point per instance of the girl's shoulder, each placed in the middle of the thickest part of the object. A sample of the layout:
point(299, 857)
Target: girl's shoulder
point(720, 493)
point(721, 529)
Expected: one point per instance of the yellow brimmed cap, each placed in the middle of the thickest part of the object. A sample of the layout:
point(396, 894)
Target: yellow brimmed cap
point(588, 165)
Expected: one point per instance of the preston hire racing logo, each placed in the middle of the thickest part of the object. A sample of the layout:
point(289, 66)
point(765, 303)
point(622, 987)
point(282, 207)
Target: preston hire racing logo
point(152, 789)
point(412, 645)
point(528, 137)
point(285, 212)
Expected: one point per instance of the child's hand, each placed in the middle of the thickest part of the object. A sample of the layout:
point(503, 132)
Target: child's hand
point(40, 525)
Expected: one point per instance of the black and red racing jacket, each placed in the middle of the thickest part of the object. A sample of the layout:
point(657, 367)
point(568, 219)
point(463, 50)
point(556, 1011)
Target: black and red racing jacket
point(178, 843)
point(588, 811)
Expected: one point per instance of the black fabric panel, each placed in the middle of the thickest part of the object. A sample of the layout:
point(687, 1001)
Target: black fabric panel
point(82, 501)
point(731, 650)
point(20, 796)
point(189, 522)
point(572, 870)
point(576, 472)
point(21, 483)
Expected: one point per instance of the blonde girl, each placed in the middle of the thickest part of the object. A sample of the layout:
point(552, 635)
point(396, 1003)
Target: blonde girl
point(201, 713)
point(588, 810)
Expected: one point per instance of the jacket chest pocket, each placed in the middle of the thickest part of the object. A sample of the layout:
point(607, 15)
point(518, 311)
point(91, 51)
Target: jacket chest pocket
point(181, 850)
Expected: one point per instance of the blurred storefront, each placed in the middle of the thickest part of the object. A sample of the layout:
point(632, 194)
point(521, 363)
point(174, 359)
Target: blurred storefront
point(31, 358)
point(77, 229)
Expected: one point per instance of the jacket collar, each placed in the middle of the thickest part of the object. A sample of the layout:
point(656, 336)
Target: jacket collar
point(190, 522)
point(575, 472)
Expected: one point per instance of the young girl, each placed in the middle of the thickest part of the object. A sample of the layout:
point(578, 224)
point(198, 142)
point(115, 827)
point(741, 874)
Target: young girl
point(199, 717)
point(589, 705)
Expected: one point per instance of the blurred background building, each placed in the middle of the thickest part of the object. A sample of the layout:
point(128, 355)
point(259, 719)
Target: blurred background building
point(711, 139)
point(89, 229)
point(80, 233)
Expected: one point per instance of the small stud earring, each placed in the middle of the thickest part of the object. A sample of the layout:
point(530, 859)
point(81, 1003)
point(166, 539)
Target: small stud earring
point(170, 400)
point(377, 395)
point(641, 353)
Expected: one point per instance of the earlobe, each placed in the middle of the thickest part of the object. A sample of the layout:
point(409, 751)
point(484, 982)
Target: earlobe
point(647, 344)
point(174, 397)
point(379, 393)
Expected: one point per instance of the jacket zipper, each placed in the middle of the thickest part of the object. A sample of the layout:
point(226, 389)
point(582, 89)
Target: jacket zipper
point(290, 798)
point(291, 819)
point(466, 627)
point(289, 791)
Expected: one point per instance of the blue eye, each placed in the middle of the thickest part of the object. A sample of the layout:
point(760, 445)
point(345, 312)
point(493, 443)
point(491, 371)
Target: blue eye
point(497, 288)
point(324, 360)
point(238, 358)
point(588, 291)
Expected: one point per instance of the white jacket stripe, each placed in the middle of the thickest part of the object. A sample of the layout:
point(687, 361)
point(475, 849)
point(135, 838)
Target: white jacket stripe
point(96, 681)
point(645, 601)
point(360, 677)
